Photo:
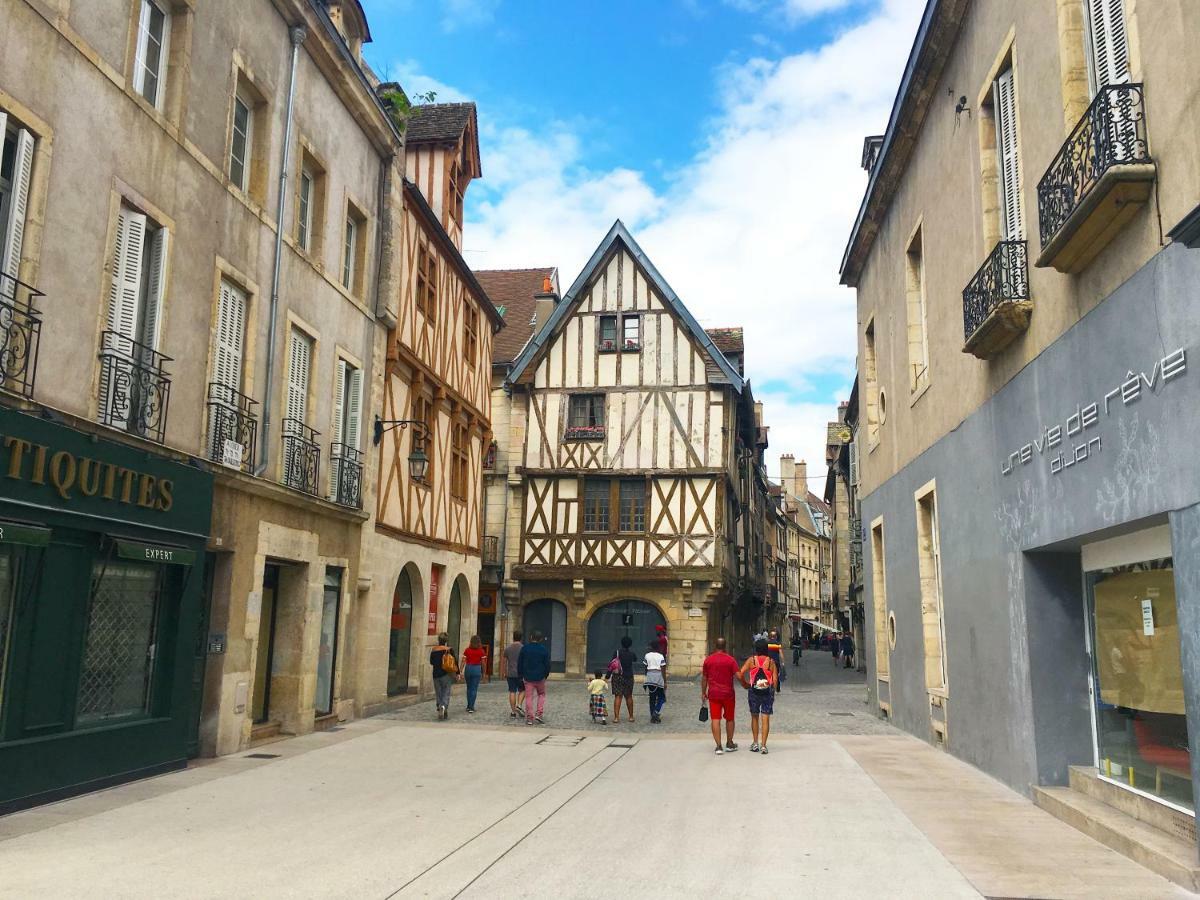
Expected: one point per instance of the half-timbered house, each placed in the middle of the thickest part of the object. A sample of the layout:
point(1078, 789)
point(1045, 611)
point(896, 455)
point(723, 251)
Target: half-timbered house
point(625, 418)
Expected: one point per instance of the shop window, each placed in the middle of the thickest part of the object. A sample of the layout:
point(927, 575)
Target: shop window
point(120, 650)
point(8, 583)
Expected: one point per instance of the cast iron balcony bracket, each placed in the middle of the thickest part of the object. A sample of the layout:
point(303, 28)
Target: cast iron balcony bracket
point(997, 296)
point(301, 456)
point(231, 418)
point(20, 334)
point(135, 388)
point(383, 426)
point(346, 463)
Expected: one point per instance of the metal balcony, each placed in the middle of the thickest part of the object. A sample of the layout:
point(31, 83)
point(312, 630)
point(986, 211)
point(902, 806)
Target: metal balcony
point(1100, 178)
point(20, 334)
point(345, 468)
point(301, 456)
point(232, 427)
point(996, 304)
point(135, 388)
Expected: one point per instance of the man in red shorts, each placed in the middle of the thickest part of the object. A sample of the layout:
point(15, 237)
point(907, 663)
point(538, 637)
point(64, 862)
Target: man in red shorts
point(716, 689)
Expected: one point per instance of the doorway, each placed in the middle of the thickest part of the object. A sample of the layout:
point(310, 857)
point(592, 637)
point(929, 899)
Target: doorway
point(550, 618)
point(633, 618)
point(454, 616)
point(331, 603)
point(400, 637)
point(261, 704)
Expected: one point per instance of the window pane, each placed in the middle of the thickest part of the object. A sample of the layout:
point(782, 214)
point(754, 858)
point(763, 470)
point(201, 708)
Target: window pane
point(633, 506)
point(608, 331)
point(118, 660)
point(595, 506)
point(596, 410)
point(152, 62)
point(305, 210)
point(633, 330)
point(241, 142)
point(348, 263)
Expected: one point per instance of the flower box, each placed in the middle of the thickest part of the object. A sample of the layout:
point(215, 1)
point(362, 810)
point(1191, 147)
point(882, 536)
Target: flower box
point(585, 433)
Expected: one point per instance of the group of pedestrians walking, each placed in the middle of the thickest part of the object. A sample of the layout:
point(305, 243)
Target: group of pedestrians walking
point(761, 675)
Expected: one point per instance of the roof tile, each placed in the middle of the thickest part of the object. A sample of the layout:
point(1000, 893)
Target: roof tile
point(513, 291)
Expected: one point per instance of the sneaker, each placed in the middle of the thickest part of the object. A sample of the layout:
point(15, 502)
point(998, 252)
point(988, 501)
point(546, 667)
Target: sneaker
point(539, 720)
point(604, 721)
point(730, 746)
point(511, 714)
point(470, 710)
point(529, 721)
point(720, 752)
point(754, 748)
point(763, 751)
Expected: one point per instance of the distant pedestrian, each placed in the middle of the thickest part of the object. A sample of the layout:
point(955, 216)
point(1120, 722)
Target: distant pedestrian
point(533, 665)
point(716, 689)
point(835, 646)
point(660, 640)
point(759, 675)
point(622, 678)
point(445, 670)
point(508, 670)
point(472, 668)
point(797, 647)
point(848, 649)
point(775, 651)
point(656, 682)
point(596, 705)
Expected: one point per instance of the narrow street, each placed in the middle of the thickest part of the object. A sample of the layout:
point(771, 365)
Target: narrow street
point(404, 806)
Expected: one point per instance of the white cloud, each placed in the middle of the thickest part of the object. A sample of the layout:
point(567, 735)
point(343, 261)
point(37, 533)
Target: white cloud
point(467, 13)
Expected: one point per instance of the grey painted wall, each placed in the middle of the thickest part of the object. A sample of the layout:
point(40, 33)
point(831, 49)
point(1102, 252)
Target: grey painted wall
point(1017, 668)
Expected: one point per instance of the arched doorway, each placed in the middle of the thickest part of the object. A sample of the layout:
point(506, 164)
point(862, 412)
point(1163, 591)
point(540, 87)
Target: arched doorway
point(400, 637)
point(608, 624)
point(454, 613)
point(550, 618)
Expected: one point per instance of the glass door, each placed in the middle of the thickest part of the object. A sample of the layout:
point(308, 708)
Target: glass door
point(327, 651)
point(1141, 726)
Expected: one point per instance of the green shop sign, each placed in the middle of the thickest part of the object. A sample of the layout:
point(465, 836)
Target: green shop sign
point(27, 535)
point(175, 556)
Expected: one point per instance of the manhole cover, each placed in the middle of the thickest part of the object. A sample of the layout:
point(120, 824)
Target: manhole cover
point(261, 756)
point(623, 745)
point(841, 714)
point(560, 740)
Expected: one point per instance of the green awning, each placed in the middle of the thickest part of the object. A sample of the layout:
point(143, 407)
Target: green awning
point(155, 553)
point(26, 535)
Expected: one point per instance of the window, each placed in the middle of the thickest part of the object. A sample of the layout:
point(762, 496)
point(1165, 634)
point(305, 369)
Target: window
point(596, 497)
point(354, 250)
point(230, 335)
point(1107, 43)
point(1004, 105)
point(608, 334)
point(150, 63)
point(633, 506)
point(310, 204)
point(871, 383)
point(456, 190)
point(9, 559)
point(300, 347)
point(470, 332)
point(426, 283)
point(304, 210)
point(241, 141)
point(347, 418)
point(631, 332)
point(585, 417)
point(349, 251)
point(929, 565)
point(16, 169)
point(459, 461)
point(918, 336)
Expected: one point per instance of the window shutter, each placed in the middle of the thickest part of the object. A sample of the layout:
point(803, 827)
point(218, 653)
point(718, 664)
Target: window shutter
point(10, 256)
point(231, 317)
point(127, 273)
point(339, 409)
point(1005, 106)
point(854, 463)
point(354, 410)
point(1109, 43)
point(155, 289)
point(298, 367)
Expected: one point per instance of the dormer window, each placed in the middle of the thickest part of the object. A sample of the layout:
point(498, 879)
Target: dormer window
point(620, 333)
point(608, 334)
point(631, 333)
point(455, 193)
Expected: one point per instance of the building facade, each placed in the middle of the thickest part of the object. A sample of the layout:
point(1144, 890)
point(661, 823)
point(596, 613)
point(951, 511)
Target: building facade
point(1027, 295)
point(810, 546)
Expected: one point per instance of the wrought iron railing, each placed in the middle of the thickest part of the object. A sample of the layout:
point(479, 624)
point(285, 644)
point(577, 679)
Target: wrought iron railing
point(1112, 132)
point(345, 470)
point(301, 456)
point(491, 550)
point(1003, 278)
point(135, 388)
point(20, 334)
point(232, 427)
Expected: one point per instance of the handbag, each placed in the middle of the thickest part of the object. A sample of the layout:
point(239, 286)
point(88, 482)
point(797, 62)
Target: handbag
point(614, 667)
point(703, 712)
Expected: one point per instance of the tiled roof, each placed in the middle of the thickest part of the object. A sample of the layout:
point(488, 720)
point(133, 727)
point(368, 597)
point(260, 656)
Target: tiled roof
point(436, 122)
point(814, 500)
point(512, 290)
point(728, 340)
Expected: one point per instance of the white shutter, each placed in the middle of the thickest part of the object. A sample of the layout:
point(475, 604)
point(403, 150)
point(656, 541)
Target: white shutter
point(231, 317)
point(1108, 42)
point(1004, 100)
point(854, 463)
point(354, 409)
point(148, 332)
point(127, 273)
point(339, 394)
point(10, 259)
point(299, 354)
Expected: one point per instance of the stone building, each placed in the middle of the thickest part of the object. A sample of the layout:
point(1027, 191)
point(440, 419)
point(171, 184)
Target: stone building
point(1028, 288)
point(810, 544)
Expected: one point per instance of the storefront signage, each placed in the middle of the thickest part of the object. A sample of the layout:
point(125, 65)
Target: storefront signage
point(231, 454)
point(1071, 442)
point(71, 475)
point(435, 576)
point(216, 644)
point(171, 556)
point(28, 535)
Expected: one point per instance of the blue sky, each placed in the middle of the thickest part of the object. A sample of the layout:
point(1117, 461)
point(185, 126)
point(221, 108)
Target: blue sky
point(725, 133)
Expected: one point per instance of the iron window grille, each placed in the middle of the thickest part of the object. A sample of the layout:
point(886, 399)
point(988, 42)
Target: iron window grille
point(346, 463)
point(1112, 132)
point(135, 388)
point(231, 421)
point(20, 335)
point(1003, 278)
point(301, 456)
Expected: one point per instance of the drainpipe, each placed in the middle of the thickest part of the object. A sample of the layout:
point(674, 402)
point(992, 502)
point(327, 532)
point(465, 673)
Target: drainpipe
point(297, 33)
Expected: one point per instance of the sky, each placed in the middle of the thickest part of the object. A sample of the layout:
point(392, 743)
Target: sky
point(726, 134)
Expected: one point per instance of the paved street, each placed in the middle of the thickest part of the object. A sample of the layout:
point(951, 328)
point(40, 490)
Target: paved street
point(409, 807)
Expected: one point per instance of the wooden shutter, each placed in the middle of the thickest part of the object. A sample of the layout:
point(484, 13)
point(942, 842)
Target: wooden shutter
point(299, 360)
point(1108, 42)
point(127, 273)
point(10, 252)
point(152, 309)
point(1004, 101)
point(353, 412)
point(231, 318)
point(339, 408)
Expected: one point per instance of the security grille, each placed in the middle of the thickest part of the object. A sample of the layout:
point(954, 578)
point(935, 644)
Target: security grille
point(118, 661)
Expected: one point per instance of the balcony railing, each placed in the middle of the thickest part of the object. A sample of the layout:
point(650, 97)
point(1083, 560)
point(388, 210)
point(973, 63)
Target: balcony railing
point(232, 427)
point(135, 388)
point(996, 304)
point(20, 333)
point(491, 550)
point(345, 469)
point(301, 456)
point(1108, 148)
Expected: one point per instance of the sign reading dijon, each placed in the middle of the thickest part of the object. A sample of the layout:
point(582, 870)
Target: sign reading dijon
point(69, 474)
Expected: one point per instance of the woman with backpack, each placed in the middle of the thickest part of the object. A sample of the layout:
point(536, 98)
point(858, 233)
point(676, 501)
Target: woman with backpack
point(445, 670)
point(621, 669)
point(760, 677)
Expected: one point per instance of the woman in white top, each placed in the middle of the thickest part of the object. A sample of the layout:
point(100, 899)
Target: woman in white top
point(656, 682)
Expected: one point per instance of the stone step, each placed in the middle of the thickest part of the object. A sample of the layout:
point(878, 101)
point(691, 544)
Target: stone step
point(1087, 780)
point(1146, 845)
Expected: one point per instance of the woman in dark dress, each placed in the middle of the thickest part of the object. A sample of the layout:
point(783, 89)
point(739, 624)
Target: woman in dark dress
point(622, 680)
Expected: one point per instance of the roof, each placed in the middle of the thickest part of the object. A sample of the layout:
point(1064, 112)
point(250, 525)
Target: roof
point(619, 234)
point(438, 122)
point(728, 340)
point(821, 505)
point(513, 291)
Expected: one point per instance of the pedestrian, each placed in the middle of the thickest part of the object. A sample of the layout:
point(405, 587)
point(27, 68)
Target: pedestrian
point(472, 667)
point(760, 677)
point(716, 689)
point(445, 670)
point(508, 670)
point(533, 665)
point(596, 706)
point(848, 649)
point(660, 639)
point(835, 646)
point(656, 682)
point(775, 651)
point(622, 679)
point(797, 647)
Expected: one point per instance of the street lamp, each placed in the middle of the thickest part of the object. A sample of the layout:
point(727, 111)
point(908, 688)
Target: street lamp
point(418, 462)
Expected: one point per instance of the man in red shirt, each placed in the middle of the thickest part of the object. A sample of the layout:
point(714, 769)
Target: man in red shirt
point(716, 689)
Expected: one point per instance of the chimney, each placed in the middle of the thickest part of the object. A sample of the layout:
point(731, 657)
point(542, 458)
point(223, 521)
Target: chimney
point(758, 413)
point(842, 407)
point(801, 480)
point(543, 303)
point(787, 473)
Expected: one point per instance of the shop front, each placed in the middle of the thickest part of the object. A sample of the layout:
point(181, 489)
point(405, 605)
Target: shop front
point(102, 586)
